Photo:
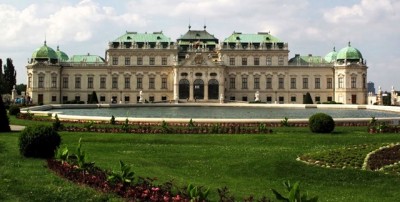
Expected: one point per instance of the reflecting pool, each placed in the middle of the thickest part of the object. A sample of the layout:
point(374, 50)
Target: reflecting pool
point(215, 112)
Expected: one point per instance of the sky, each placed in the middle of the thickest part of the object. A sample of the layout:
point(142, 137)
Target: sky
point(308, 26)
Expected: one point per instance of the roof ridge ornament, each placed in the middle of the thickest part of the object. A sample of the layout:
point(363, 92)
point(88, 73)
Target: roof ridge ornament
point(349, 44)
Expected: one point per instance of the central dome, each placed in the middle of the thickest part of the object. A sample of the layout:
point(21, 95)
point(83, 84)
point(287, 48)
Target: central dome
point(349, 53)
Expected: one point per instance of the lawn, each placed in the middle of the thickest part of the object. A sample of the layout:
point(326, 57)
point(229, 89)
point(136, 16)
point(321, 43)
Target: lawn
point(246, 164)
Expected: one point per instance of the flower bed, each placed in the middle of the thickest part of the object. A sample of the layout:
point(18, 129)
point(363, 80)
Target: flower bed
point(96, 178)
point(384, 156)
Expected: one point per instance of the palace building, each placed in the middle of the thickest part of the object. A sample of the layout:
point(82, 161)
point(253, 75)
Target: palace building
point(197, 67)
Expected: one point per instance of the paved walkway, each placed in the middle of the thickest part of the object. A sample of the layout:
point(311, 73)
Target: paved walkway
point(17, 128)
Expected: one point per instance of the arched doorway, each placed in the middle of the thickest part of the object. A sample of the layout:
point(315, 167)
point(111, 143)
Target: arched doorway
point(213, 89)
point(184, 89)
point(198, 89)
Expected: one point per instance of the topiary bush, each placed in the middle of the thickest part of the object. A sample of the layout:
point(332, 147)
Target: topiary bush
point(321, 123)
point(39, 141)
point(14, 110)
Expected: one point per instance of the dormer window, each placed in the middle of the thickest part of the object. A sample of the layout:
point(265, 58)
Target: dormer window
point(128, 38)
point(158, 38)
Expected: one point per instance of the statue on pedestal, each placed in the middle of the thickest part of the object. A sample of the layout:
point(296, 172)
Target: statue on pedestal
point(141, 97)
point(257, 96)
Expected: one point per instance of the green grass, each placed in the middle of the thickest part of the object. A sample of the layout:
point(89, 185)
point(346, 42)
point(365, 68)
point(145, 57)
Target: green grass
point(246, 164)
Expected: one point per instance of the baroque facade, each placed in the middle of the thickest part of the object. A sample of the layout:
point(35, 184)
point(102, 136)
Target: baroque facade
point(197, 67)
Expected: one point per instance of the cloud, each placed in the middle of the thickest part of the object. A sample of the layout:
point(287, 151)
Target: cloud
point(364, 12)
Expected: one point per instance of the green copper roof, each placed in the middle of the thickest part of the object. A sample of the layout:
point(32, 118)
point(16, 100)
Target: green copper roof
point(261, 37)
point(349, 53)
point(331, 57)
point(87, 58)
point(44, 52)
point(61, 55)
point(306, 60)
point(197, 35)
point(143, 37)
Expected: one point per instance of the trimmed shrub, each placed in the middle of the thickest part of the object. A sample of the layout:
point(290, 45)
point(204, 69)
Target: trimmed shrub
point(321, 123)
point(14, 110)
point(39, 141)
point(4, 123)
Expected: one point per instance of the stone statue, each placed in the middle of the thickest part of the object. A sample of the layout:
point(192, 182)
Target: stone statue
point(140, 97)
point(221, 98)
point(257, 96)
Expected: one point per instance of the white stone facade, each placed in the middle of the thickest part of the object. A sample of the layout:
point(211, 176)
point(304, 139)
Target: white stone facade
point(197, 74)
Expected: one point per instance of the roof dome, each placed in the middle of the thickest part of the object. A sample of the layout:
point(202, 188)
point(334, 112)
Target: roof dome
point(331, 57)
point(349, 53)
point(61, 55)
point(45, 52)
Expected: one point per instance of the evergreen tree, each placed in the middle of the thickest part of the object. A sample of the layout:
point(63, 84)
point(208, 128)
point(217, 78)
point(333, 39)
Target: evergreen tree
point(4, 123)
point(10, 76)
point(2, 89)
point(307, 99)
point(93, 98)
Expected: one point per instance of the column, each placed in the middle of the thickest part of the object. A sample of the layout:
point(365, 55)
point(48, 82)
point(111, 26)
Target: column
point(206, 91)
point(191, 98)
point(176, 85)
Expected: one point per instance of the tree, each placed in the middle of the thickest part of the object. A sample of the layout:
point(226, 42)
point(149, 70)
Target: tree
point(10, 76)
point(93, 98)
point(20, 88)
point(307, 99)
point(4, 123)
point(2, 89)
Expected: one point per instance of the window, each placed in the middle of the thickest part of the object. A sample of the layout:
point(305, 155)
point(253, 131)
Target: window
point(293, 99)
point(64, 99)
point(353, 82)
point(244, 61)
point(164, 61)
point(280, 60)
point(364, 81)
point(65, 82)
point(305, 83)
point(115, 82)
point(127, 83)
point(90, 82)
point(269, 99)
point(232, 98)
point(269, 83)
point(139, 83)
point(329, 83)
point(244, 83)
point(257, 61)
point(244, 98)
point(151, 83)
point(163, 98)
point(53, 81)
point(329, 98)
point(139, 61)
point(340, 82)
point(281, 99)
point(152, 61)
point(317, 99)
point(151, 98)
point(281, 83)
point(292, 83)
point(127, 61)
point(115, 60)
point(317, 83)
point(53, 98)
point(256, 83)
point(77, 82)
point(269, 61)
point(41, 82)
point(163, 83)
point(126, 99)
point(232, 83)
point(231, 61)
point(103, 82)
point(102, 98)
point(78, 98)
